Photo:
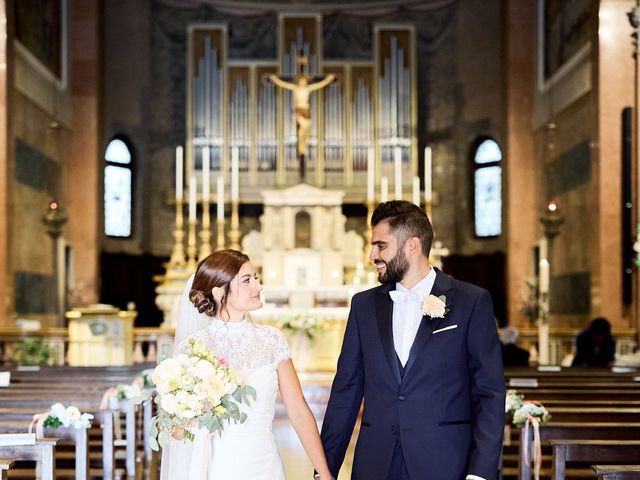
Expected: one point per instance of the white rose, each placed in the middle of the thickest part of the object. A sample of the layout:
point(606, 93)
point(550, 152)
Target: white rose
point(169, 403)
point(57, 410)
point(187, 413)
point(168, 369)
point(434, 307)
point(204, 369)
point(73, 414)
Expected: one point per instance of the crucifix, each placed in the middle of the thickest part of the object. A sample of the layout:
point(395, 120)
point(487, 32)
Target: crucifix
point(302, 85)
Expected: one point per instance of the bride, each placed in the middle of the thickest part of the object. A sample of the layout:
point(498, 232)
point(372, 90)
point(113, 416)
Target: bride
point(213, 310)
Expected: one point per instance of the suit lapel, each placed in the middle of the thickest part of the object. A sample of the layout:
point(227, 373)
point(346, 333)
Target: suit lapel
point(442, 286)
point(384, 315)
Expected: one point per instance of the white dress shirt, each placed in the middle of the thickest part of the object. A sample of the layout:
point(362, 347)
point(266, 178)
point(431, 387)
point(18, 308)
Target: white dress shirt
point(407, 315)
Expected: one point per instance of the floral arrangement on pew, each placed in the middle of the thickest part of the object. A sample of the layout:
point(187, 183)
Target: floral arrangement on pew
point(132, 391)
point(299, 322)
point(195, 391)
point(528, 414)
point(58, 416)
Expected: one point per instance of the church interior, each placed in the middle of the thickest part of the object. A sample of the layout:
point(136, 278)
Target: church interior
point(139, 136)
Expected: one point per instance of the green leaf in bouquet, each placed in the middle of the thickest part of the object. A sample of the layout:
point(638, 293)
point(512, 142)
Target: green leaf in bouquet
point(243, 417)
point(163, 438)
point(238, 395)
point(250, 392)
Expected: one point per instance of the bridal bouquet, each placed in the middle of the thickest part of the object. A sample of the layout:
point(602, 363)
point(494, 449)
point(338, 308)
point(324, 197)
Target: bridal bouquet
point(196, 390)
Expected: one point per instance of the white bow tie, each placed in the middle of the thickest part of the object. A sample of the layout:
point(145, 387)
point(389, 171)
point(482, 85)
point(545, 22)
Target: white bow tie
point(400, 296)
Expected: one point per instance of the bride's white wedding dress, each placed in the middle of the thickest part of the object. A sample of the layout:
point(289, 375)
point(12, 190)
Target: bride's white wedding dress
point(244, 451)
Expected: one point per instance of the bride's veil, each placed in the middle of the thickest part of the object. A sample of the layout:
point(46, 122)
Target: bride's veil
point(189, 319)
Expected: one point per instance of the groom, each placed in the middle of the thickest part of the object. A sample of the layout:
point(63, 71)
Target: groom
point(422, 350)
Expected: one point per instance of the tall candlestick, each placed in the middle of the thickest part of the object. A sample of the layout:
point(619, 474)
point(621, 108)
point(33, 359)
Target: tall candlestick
point(206, 168)
point(192, 199)
point(220, 198)
point(370, 174)
point(544, 276)
point(397, 163)
point(416, 190)
point(428, 195)
point(234, 173)
point(179, 173)
point(384, 189)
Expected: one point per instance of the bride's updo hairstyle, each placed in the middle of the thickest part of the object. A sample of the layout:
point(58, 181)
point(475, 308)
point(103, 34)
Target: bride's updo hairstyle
point(217, 270)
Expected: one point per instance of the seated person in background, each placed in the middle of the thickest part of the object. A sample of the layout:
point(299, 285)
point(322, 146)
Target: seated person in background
point(512, 354)
point(595, 346)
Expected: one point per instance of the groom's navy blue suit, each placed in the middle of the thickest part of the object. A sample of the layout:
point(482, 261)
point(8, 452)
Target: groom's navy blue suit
point(445, 411)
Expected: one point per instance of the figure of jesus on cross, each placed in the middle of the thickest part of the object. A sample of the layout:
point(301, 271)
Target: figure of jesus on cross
point(301, 85)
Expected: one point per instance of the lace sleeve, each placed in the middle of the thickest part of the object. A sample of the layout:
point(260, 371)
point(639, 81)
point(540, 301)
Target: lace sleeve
point(282, 350)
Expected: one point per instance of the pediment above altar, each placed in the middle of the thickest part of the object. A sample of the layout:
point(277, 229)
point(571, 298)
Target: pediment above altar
point(303, 195)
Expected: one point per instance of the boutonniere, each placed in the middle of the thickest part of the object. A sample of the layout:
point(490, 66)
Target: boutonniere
point(435, 307)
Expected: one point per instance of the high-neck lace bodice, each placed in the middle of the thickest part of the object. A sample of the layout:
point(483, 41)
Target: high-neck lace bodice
point(243, 345)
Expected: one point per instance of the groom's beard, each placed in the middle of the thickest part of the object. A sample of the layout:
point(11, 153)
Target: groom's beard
point(396, 269)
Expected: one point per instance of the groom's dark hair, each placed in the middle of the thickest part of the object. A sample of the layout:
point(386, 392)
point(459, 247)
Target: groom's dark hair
point(406, 220)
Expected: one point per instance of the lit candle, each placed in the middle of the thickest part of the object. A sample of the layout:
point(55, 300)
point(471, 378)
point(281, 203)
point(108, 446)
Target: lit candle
point(220, 198)
point(397, 163)
point(179, 170)
point(544, 276)
point(206, 168)
point(416, 190)
point(427, 175)
point(234, 173)
point(370, 174)
point(192, 199)
point(384, 189)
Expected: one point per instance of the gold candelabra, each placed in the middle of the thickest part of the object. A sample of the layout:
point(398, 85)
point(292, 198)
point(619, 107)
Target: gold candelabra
point(177, 254)
point(220, 241)
point(205, 231)
point(234, 233)
point(191, 245)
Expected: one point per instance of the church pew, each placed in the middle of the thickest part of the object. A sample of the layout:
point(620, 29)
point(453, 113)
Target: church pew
point(617, 472)
point(5, 465)
point(43, 453)
point(591, 451)
point(575, 431)
point(29, 385)
point(104, 419)
point(608, 414)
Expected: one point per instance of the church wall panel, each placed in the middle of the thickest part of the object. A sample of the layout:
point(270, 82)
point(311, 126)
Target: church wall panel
point(36, 170)
point(571, 294)
point(34, 293)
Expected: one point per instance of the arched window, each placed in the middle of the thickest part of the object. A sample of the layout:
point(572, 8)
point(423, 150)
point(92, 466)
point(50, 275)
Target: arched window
point(487, 189)
point(117, 189)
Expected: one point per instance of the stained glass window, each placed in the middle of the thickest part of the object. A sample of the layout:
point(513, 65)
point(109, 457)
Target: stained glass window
point(488, 189)
point(117, 189)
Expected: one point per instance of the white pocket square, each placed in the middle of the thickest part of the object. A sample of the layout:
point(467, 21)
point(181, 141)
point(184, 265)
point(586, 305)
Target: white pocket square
point(450, 327)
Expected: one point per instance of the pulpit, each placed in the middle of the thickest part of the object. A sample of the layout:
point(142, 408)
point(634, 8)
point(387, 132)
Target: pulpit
point(100, 335)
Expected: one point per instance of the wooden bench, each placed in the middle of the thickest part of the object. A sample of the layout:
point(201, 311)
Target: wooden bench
point(591, 451)
point(5, 465)
point(617, 472)
point(575, 431)
point(43, 453)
